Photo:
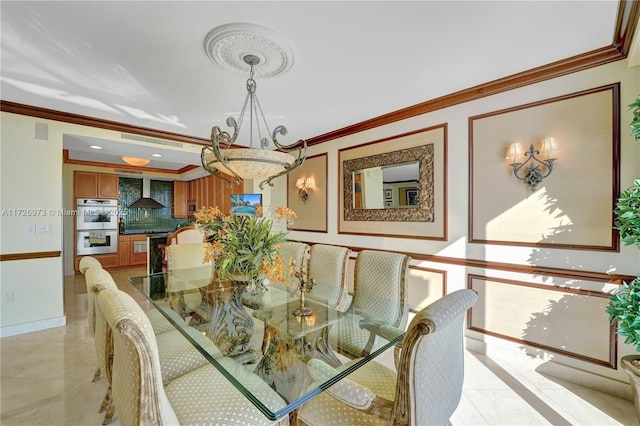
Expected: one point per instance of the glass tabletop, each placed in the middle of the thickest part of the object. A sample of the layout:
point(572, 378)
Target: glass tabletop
point(266, 342)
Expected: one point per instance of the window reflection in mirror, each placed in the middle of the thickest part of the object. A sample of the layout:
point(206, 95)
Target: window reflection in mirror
point(392, 186)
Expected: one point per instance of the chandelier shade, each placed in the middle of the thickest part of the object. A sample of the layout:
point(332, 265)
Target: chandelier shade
point(250, 163)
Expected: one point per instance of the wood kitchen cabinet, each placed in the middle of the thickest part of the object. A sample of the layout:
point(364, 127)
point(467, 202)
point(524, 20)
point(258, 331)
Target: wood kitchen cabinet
point(132, 250)
point(138, 250)
point(124, 249)
point(212, 191)
point(95, 185)
point(179, 207)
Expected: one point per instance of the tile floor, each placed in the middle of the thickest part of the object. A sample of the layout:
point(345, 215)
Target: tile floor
point(46, 380)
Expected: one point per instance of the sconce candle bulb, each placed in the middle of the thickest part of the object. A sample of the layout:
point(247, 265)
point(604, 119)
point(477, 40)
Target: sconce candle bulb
point(537, 169)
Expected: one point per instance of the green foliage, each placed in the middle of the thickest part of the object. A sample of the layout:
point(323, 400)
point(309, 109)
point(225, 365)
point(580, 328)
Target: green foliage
point(627, 213)
point(624, 308)
point(247, 243)
point(635, 122)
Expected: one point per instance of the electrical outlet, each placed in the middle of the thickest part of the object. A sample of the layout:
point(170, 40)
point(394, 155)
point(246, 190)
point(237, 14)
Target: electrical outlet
point(45, 229)
point(8, 296)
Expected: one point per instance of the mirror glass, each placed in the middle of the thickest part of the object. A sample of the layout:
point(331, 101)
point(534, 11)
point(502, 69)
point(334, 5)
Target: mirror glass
point(390, 186)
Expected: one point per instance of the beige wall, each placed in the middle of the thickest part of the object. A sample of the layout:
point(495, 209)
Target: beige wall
point(457, 246)
point(31, 196)
point(428, 278)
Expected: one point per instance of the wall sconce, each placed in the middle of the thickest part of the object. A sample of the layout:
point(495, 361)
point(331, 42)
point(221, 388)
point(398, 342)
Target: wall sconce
point(538, 169)
point(304, 186)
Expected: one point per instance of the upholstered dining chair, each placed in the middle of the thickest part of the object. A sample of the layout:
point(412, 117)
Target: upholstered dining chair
point(426, 388)
point(201, 396)
point(186, 235)
point(98, 279)
point(261, 298)
point(87, 262)
point(328, 268)
point(380, 298)
point(177, 357)
point(189, 258)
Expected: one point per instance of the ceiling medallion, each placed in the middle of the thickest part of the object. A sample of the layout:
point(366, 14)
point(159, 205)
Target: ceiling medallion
point(228, 45)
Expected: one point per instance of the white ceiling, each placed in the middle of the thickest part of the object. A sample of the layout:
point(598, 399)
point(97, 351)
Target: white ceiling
point(143, 63)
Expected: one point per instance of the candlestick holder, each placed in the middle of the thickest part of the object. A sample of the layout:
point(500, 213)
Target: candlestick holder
point(305, 287)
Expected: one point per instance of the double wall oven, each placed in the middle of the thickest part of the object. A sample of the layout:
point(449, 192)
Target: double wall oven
point(96, 226)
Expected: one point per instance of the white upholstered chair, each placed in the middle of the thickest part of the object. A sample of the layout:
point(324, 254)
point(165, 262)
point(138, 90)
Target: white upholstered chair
point(380, 298)
point(201, 396)
point(427, 387)
point(187, 235)
point(328, 269)
point(177, 357)
point(98, 279)
point(261, 298)
point(186, 265)
point(86, 262)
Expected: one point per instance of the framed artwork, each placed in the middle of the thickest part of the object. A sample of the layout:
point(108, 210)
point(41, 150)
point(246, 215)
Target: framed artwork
point(387, 194)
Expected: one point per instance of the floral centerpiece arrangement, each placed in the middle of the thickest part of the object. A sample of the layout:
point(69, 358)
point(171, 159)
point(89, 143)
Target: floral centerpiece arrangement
point(245, 247)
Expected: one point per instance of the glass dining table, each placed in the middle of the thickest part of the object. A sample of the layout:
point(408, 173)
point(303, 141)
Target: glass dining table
point(267, 336)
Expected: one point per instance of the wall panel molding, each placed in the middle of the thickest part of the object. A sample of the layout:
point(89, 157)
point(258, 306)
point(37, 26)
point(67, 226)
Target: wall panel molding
point(581, 329)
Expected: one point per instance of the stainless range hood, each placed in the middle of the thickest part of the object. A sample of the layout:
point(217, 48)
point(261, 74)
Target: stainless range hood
point(146, 202)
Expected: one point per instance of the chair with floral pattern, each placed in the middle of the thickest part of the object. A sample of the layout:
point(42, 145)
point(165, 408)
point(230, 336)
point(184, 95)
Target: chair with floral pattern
point(427, 387)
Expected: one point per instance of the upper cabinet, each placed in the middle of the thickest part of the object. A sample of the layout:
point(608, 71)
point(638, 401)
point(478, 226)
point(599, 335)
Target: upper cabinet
point(95, 185)
point(179, 205)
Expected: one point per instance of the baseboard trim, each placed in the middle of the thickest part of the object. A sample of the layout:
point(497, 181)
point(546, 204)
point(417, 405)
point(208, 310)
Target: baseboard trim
point(29, 327)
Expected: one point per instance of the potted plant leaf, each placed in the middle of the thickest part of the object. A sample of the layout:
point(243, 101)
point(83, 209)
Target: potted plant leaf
point(624, 306)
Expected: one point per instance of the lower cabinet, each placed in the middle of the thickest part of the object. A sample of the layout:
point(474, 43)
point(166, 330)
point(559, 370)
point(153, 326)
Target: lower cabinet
point(132, 250)
point(124, 249)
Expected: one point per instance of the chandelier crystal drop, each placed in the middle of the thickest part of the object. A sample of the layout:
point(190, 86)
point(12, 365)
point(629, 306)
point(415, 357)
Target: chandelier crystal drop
point(237, 164)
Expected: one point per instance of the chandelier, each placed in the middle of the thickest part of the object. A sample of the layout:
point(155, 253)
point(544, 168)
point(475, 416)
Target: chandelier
point(258, 161)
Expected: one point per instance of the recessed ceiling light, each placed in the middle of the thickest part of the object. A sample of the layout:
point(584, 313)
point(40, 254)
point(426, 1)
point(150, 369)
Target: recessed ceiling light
point(95, 147)
point(156, 155)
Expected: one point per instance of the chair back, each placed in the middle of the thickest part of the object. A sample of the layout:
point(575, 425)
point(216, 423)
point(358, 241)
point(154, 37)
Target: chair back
point(87, 262)
point(187, 235)
point(380, 286)
point(137, 387)
point(187, 256)
point(328, 268)
point(95, 275)
point(103, 338)
point(431, 366)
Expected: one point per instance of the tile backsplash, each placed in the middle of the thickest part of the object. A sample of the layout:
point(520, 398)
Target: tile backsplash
point(140, 219)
